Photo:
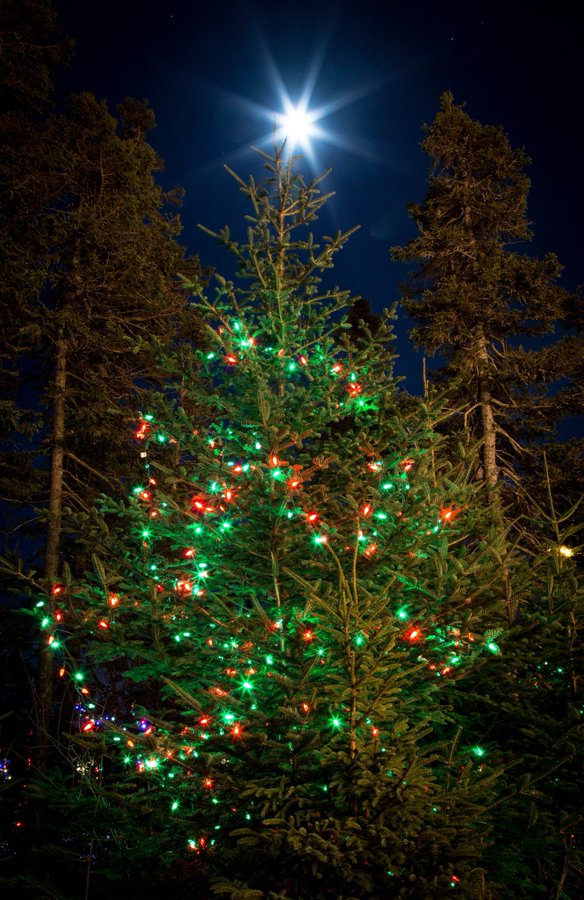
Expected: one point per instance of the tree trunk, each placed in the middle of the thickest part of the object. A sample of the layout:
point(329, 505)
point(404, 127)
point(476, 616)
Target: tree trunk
point(489, 431)
point(45, 678)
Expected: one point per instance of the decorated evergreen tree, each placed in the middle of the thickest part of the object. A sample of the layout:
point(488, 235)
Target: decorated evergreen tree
point(281, 614)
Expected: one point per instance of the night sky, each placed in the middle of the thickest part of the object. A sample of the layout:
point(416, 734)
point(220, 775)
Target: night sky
point(214, 72)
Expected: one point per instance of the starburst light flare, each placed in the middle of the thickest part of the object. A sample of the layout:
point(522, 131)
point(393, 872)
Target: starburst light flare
point(297, 125)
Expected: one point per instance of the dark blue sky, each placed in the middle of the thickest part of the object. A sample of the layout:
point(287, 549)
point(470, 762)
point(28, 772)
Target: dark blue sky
point(206, 66)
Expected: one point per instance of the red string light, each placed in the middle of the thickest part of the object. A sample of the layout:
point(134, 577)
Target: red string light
point(141, 431)
point(449, 513)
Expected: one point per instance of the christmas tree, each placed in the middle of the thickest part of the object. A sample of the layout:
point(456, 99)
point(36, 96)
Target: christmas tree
point(280, 616)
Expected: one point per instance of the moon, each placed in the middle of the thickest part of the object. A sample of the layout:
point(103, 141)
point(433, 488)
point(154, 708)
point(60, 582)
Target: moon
point(297, 125)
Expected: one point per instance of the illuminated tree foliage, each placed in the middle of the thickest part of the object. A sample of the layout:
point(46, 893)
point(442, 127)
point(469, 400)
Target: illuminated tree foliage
point(281, 614)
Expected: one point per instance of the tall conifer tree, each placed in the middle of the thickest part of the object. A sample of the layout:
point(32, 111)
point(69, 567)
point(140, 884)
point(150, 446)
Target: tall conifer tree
point(476, 300)
point(111, 301)
point(31, 48)
point(89, 297)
